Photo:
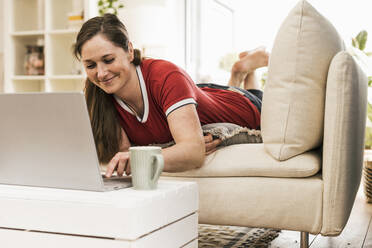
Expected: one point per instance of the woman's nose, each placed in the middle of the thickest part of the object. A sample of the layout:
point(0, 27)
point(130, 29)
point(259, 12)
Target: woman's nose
point(101, 72)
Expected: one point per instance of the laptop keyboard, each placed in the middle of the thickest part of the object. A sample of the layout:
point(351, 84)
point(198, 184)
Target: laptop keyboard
point(115, 183)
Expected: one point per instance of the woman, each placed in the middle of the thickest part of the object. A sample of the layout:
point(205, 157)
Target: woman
point(147, 101)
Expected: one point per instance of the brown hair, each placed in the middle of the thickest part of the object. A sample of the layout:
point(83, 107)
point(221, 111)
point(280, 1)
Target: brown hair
point(102, 112)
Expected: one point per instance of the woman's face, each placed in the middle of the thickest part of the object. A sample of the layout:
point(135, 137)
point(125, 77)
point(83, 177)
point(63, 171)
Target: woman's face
point(107, 66)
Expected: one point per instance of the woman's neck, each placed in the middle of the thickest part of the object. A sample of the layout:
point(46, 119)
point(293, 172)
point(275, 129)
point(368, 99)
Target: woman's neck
point(131, 93)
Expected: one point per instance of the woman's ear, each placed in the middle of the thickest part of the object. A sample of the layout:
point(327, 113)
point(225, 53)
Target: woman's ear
point(130, 51)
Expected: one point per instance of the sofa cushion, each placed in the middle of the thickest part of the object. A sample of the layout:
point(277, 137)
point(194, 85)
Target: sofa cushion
point(252, 160)
point(293, 100)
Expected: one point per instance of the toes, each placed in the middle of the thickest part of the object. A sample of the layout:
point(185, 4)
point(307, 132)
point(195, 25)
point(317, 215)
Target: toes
point(243, 54)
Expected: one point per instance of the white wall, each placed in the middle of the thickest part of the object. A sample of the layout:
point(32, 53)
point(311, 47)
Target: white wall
point(157, 27)
point(259, 20)
point(1, 46)
point(1, 26)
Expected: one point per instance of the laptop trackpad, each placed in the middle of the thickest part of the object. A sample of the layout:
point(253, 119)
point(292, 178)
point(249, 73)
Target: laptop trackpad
point(115, 182)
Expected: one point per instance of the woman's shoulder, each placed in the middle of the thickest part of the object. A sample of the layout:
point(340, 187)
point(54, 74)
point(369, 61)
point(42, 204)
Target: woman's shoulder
point(160, 66)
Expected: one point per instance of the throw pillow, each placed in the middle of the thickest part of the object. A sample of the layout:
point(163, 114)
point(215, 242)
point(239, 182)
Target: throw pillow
point(229, 133)
point(293, 101)
point(232, 134)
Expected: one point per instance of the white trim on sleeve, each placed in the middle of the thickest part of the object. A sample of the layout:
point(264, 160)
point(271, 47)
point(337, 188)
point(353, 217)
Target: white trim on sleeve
point(180, 104)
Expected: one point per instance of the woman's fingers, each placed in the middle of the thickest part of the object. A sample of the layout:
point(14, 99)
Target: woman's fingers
point(121, 167)
point(211, 144)
point(208, 138)
point(118, 162)
point(111, 166)
point(211, 151)
point(127, 169)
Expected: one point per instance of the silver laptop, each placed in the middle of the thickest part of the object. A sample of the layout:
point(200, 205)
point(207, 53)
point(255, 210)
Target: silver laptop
point(46, 140)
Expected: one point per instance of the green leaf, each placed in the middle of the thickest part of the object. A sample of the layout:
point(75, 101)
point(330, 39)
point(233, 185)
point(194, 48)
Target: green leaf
point(362, 39)
point(369, 81)
point(368, 137)
point(369, 111)
point(354, 43)
point(109, 6)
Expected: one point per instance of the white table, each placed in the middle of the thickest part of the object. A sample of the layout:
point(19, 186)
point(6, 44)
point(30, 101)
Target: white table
point(45, 217)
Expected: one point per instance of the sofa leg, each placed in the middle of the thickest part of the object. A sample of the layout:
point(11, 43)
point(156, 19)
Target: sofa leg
point(304, 240)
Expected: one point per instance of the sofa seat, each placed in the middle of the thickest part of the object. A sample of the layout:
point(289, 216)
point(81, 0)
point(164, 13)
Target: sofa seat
point(261, 202)
point(246, 160)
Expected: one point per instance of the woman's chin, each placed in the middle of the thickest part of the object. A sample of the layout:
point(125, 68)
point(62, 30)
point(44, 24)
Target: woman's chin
point(108, 90)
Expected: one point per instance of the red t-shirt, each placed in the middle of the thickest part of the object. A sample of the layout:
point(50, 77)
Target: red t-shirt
point(166, 87)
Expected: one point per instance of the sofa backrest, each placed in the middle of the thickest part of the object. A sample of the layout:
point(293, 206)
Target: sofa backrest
point(343, 145)
point(293, 102)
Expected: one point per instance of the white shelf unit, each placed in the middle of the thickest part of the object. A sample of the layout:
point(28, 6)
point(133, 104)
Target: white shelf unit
point(26, 22)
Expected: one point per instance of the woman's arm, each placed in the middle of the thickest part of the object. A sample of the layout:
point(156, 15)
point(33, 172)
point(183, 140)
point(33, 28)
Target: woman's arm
point(187, 153)
point(189, 149)
point(125, 143)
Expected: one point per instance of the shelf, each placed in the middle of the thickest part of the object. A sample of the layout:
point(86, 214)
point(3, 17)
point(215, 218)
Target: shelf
point(19, 44)
point(28, 33)
point(27, 86)
point(44, 22)
point(26, 78)
point(58, 77)
point(64, 31)
point(61, 10)
point(60, 85)
point(67, 77)
point(60, 51)
point(27, 15)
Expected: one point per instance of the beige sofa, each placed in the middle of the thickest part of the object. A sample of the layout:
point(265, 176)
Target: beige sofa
point(305, 174)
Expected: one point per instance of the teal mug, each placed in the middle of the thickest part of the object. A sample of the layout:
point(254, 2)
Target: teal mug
point(146, 164)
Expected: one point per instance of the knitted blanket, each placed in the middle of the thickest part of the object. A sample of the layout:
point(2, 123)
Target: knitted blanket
point(229, 133)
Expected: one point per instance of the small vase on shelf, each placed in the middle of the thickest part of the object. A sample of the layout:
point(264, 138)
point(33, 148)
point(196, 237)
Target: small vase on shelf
point(34, 59)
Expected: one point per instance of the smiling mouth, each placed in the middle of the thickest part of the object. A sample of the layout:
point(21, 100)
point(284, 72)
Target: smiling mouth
point(108, 81)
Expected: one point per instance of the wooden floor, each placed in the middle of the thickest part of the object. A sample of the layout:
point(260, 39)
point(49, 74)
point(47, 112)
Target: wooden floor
point(357, 232)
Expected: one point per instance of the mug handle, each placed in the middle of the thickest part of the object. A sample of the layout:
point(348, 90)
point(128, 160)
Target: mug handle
point(159, 164)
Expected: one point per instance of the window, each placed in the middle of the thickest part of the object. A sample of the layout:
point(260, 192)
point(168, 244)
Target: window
point(210, 36)
point(217, 30)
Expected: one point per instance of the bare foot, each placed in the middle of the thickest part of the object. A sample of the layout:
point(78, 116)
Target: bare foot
point(248, 62)
point(251, 82)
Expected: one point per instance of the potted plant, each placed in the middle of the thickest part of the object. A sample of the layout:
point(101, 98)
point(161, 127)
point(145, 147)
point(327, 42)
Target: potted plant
point(109, 6)
point(357, 50)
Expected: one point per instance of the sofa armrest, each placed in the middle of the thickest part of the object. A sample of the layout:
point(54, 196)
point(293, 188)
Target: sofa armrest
point(343, 145)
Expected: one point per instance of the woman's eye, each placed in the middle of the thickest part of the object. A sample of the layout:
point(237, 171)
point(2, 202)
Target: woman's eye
point(90, 66)
point(109, 61)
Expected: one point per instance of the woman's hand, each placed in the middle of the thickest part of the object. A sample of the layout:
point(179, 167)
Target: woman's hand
point(120, 163)
point(211, 144)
